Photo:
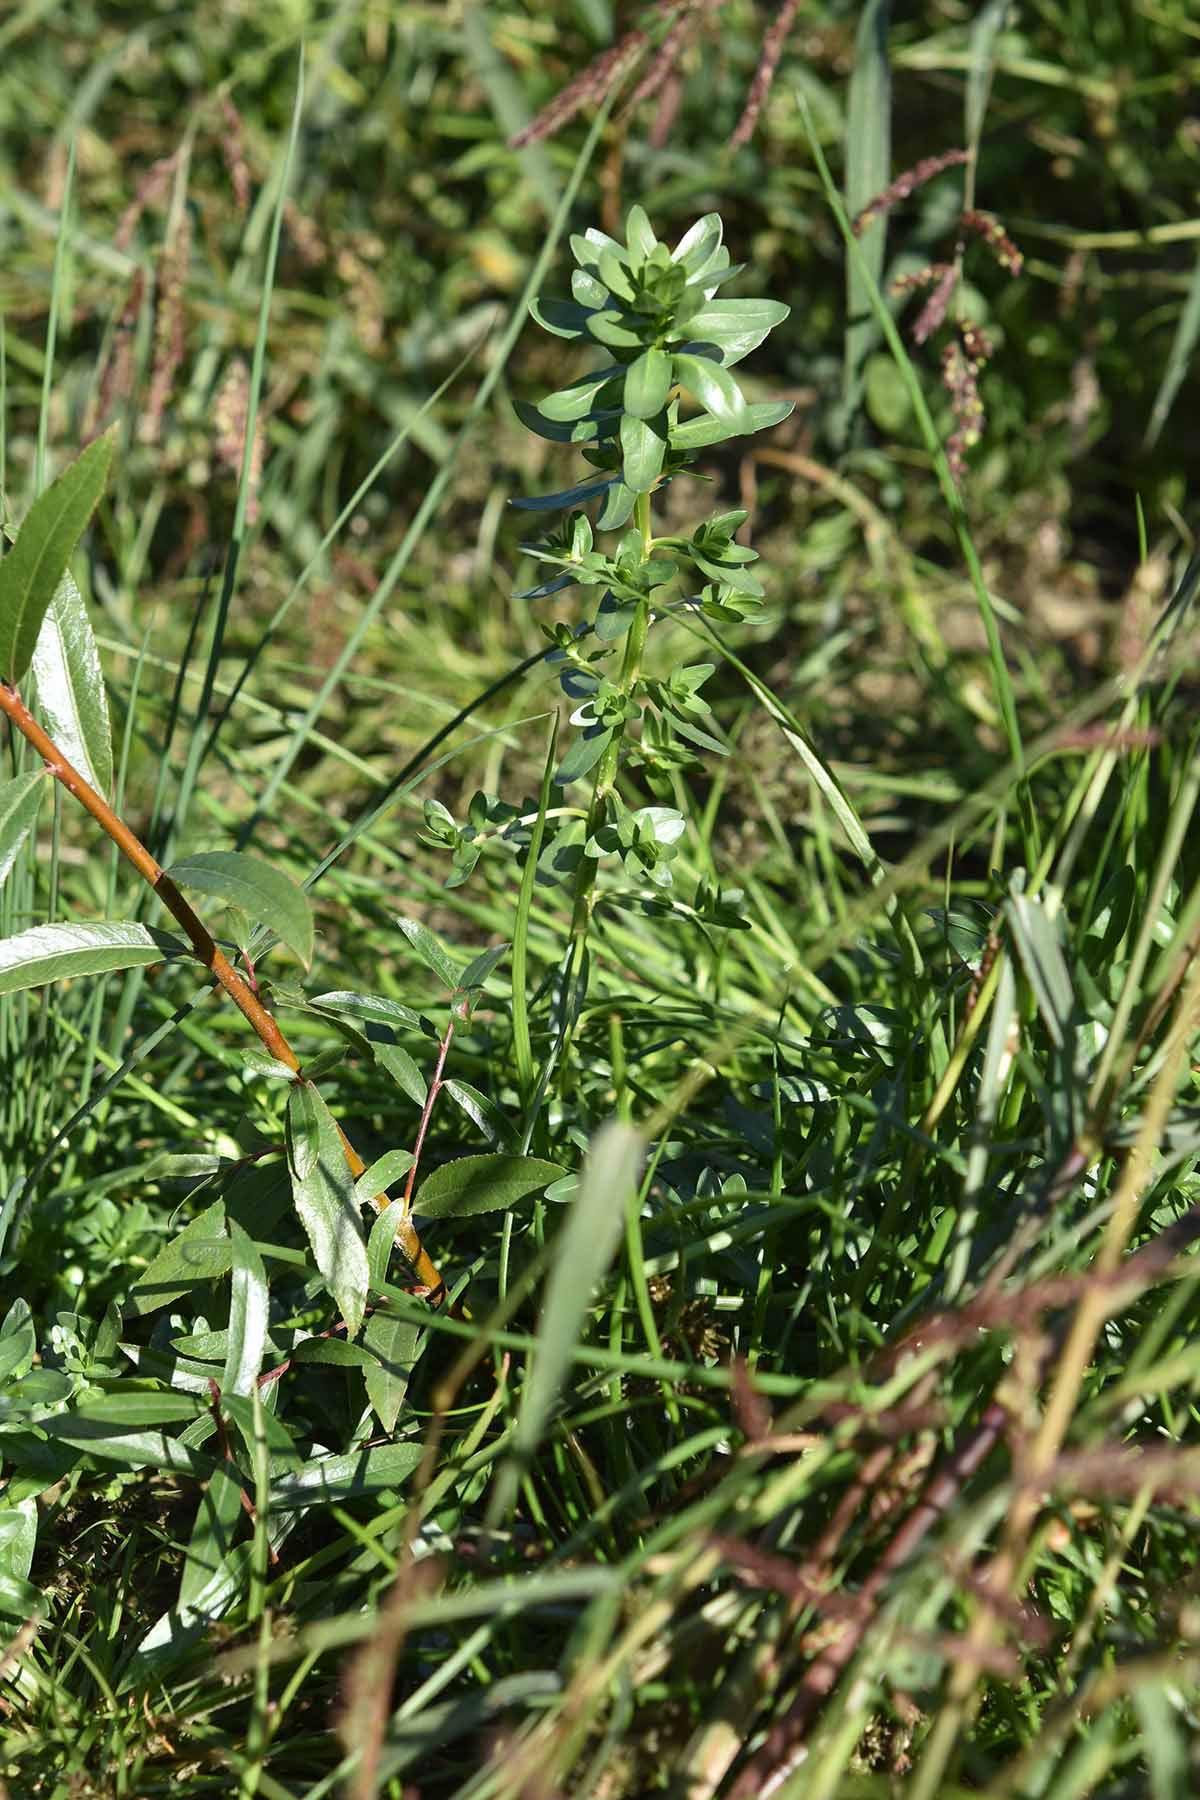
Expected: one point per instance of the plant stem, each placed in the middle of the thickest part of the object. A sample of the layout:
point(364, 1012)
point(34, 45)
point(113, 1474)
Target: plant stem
point(427, 1110)
point(606, 768)
point(206, 949)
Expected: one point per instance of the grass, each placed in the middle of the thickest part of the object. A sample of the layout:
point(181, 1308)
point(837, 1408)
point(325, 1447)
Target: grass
point(821, 1421)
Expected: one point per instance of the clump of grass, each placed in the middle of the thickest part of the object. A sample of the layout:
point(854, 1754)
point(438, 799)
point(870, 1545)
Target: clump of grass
point(809, 1408)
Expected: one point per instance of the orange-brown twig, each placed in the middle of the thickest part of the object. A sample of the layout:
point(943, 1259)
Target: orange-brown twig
point(206, 949)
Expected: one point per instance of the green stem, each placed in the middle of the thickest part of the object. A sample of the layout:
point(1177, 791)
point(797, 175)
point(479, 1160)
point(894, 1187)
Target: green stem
point(606, 768)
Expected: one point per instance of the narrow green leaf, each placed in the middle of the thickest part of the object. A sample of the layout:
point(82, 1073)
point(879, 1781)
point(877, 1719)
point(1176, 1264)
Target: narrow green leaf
point(477, 972)
point(986, 27)
point(32, 569)
point(430, 952)
point(1040, 950)
point(647, 384)
point(393, 1166)
point(383, 1232)
point(393, 1343)
point(266, 894)
point(18, 1341)
point(200, 1252)
point(868, 170)
point(218, 1514)
point(481, 1184)
point(18, 1538)
point(323, 1190)
point(1179, 360)
point(643, 452)
point(248, 1306)
point(48, 953)
point(337, 1478)
point(695, 433)
point(574, 401)
point(713, 386)
point(585, 751)
point(403, 1071)
point(130, 1449)
point(736, 327)
point(371, 1007)
point(639, 233)
point(583, 1251)
point(20, 801)
point(699, 244)
point(481, 1111)
point(70, 686)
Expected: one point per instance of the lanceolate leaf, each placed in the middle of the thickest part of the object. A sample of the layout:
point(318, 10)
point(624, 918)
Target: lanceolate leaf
point(430, 951)
point(337, 1478)
point(19, 803)
point(268, 896)
point(480, 1184)
point(48, 953)
point(643, 452)
point(323, 1190)
point(70, 686)
point(647, 384)
point(713, 386)
point(736, 327)
point(393, 1343)
point(247, 1315)
point(695, 433)
point(32, 569)
point(582, 1253)
point(574, 401)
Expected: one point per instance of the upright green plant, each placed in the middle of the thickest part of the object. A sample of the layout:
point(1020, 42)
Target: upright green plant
point(664, 393)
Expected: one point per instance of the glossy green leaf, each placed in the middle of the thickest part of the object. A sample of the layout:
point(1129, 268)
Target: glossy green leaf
point(334, 1351)
point(97, 1436)
point(323, 1191)
point(394, 1346)
point(48, 953)
point(31, 571)
point(736, 327)
point(574, 401)
point(18, 1342)
point(481, 1184)
point(372, 1008)
point(382, 1240)
point(219, 1513)
point(477, 972)
point(573, 496)
point(481, 1111)
point(402, 1069)
point(430, 952)
point(642, 452)
point(694, 434)
point(70, 686)
point(337, 1478)
point(713, 386)
point(607, 329)
point(200, 1252)
point(248, 1307)
point(699, 244)
point(18, 1538)
point(20, 800)
point(585, 751)
point(647, 384)
point(382, 1173)
point(268, 896)
point(618, 505)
